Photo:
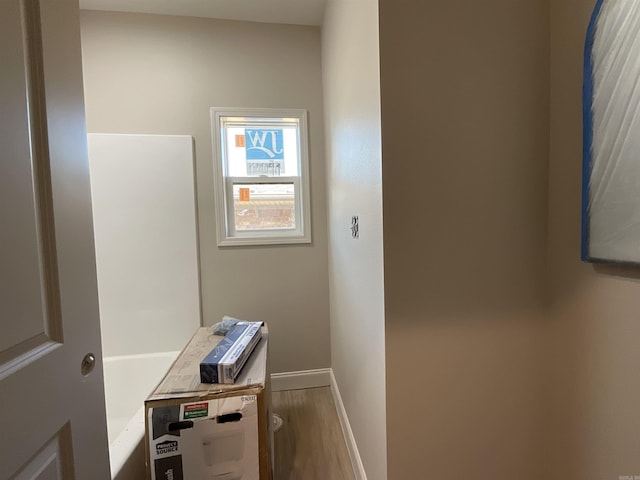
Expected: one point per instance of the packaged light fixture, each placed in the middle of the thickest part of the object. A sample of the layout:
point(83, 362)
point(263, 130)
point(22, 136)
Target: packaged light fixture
point(224, 362)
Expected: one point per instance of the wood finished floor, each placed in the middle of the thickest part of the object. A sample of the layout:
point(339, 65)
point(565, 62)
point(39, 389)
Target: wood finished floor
point(310, 444)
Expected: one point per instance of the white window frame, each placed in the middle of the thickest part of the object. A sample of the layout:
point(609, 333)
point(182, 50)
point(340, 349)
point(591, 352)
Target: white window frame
point(223, 187)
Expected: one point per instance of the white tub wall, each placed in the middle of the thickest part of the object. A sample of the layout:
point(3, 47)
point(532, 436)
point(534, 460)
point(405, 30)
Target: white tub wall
point(143, 189)
point(161, 74)
point(129, 379)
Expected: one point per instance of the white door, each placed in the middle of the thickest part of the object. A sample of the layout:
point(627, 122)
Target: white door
point(52, 417)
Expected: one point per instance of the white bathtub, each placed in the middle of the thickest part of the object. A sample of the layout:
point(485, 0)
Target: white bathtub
point(128, 380)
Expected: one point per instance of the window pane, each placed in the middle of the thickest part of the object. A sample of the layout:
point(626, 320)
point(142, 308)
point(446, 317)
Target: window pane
point(264, 206)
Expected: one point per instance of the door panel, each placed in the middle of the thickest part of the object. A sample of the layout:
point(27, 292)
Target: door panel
point(52, 462)
point(29, 288)
point(53, 417)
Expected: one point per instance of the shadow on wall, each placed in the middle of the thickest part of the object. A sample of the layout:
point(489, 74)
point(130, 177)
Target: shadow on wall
point(627, 272)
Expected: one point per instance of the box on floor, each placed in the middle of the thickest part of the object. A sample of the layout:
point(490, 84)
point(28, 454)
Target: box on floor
point(200, 431)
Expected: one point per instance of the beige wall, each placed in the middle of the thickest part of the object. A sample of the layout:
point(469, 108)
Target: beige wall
point(594, 385)
point(483, 379)
point(352, 106)
point(464, 88)
point(159, 75)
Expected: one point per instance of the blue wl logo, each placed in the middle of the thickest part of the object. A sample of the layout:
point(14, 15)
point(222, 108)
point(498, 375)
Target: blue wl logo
point(262, 144)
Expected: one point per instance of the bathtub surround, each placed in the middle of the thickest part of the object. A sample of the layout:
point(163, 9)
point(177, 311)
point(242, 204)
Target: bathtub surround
point(144, 215)
point(146, 236)
point(160, 74)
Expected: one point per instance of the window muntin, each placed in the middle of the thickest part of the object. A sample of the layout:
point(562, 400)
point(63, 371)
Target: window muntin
point(261, 169)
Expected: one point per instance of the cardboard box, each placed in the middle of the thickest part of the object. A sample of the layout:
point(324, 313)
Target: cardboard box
point(198, 431)
point(224, 363)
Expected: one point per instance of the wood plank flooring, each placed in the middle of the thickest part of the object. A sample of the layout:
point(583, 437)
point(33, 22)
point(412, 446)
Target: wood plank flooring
point(310, 444)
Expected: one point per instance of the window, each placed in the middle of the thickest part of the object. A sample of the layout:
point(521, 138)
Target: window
point(261, 173)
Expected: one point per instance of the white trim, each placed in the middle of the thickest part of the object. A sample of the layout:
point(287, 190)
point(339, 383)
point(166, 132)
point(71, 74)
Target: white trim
point(352, 447)
point(302, 379)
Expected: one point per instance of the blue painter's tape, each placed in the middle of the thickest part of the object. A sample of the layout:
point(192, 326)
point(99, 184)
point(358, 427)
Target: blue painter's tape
point(587, 127)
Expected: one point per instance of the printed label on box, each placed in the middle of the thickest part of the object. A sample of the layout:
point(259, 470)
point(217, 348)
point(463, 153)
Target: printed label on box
point(195, 410)
point(168, 446)
point(169, 468)
point(217, 438)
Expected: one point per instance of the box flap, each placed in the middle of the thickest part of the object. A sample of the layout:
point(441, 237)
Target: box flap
point(183, 378)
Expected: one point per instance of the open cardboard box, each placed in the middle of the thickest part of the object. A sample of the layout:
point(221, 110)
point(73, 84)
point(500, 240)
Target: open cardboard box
point(201, 431)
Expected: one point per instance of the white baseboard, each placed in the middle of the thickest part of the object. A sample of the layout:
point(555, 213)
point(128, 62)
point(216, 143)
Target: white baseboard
point(352, 447)
point(303, 379)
